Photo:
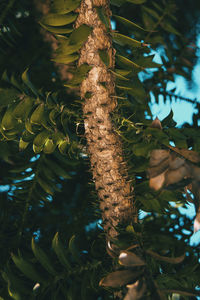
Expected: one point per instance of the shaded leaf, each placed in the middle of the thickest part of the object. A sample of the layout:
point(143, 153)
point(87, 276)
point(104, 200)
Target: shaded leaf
point(22, 110)
point(42, 258)
point(120, 278)
point(27, 268)
point(8, 96)
point(136, 1)
point(104, 57)
point(171, 260)
point(183, 292)
point(60, 251)
point(73, 249)
point(102, 16)
point(128, 23)
point(26, 80)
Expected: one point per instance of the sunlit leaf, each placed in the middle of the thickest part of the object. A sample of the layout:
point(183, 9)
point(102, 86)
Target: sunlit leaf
point(58, 20)
point(123, 40)
point(64, 7)
point(80, 34)
point(58, 30)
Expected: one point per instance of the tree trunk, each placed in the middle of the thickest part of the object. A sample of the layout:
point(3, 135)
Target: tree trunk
point(104, 146)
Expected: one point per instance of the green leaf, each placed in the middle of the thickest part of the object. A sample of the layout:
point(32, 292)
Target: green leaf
point(102, 16)
point(124, 40)
point(128, 23)
point(60, 251)
point(146, 62)
point(45, 186)
point(58, 170)
point(142, 149)
point(117, 3)
point(26, 80)
point(58, 20)
point(79, 75)
point(168, 121)
point(8, 96)
point(42, 258)
point(64, 7)
point(80, 35)
point(123, 61)
point(23, 145)
point(136, 1)
point(73, 249)
point(49, 146)
point(151, 12)
point(123, 72)
point(58, 30)
point(14, 282)
point(37, 149)
point(41, 138)
point(66, 49)
point(66, 59)
point(38, 115)
point(8, 121)
point(104, 57)
point(63, 146)
point(27, 268)
point(168, 27)
point(22, 110)
point(119, 76)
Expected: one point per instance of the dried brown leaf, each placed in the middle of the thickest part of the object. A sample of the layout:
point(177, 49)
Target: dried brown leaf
point(174, 176)
point(156, 123)
point(176, 163)
point(136, 290)
point(157, 156)
point(157, 182)
point(191, 155)
point(160, 168)
point(171, 260)
point(130, 259)
point(182, 292)
point(120, 278)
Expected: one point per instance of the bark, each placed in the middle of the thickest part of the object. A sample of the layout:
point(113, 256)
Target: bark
point(104, 146)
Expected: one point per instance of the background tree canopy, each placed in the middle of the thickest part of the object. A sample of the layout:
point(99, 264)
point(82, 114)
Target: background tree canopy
point(56, 241)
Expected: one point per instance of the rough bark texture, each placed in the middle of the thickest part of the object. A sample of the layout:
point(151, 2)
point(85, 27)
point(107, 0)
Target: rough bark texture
point(104, 146)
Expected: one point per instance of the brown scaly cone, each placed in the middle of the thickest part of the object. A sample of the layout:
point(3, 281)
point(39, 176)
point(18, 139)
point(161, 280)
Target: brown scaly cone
point(104, 146)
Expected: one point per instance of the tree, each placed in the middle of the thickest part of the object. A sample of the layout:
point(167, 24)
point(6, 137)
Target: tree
point(79, 150)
